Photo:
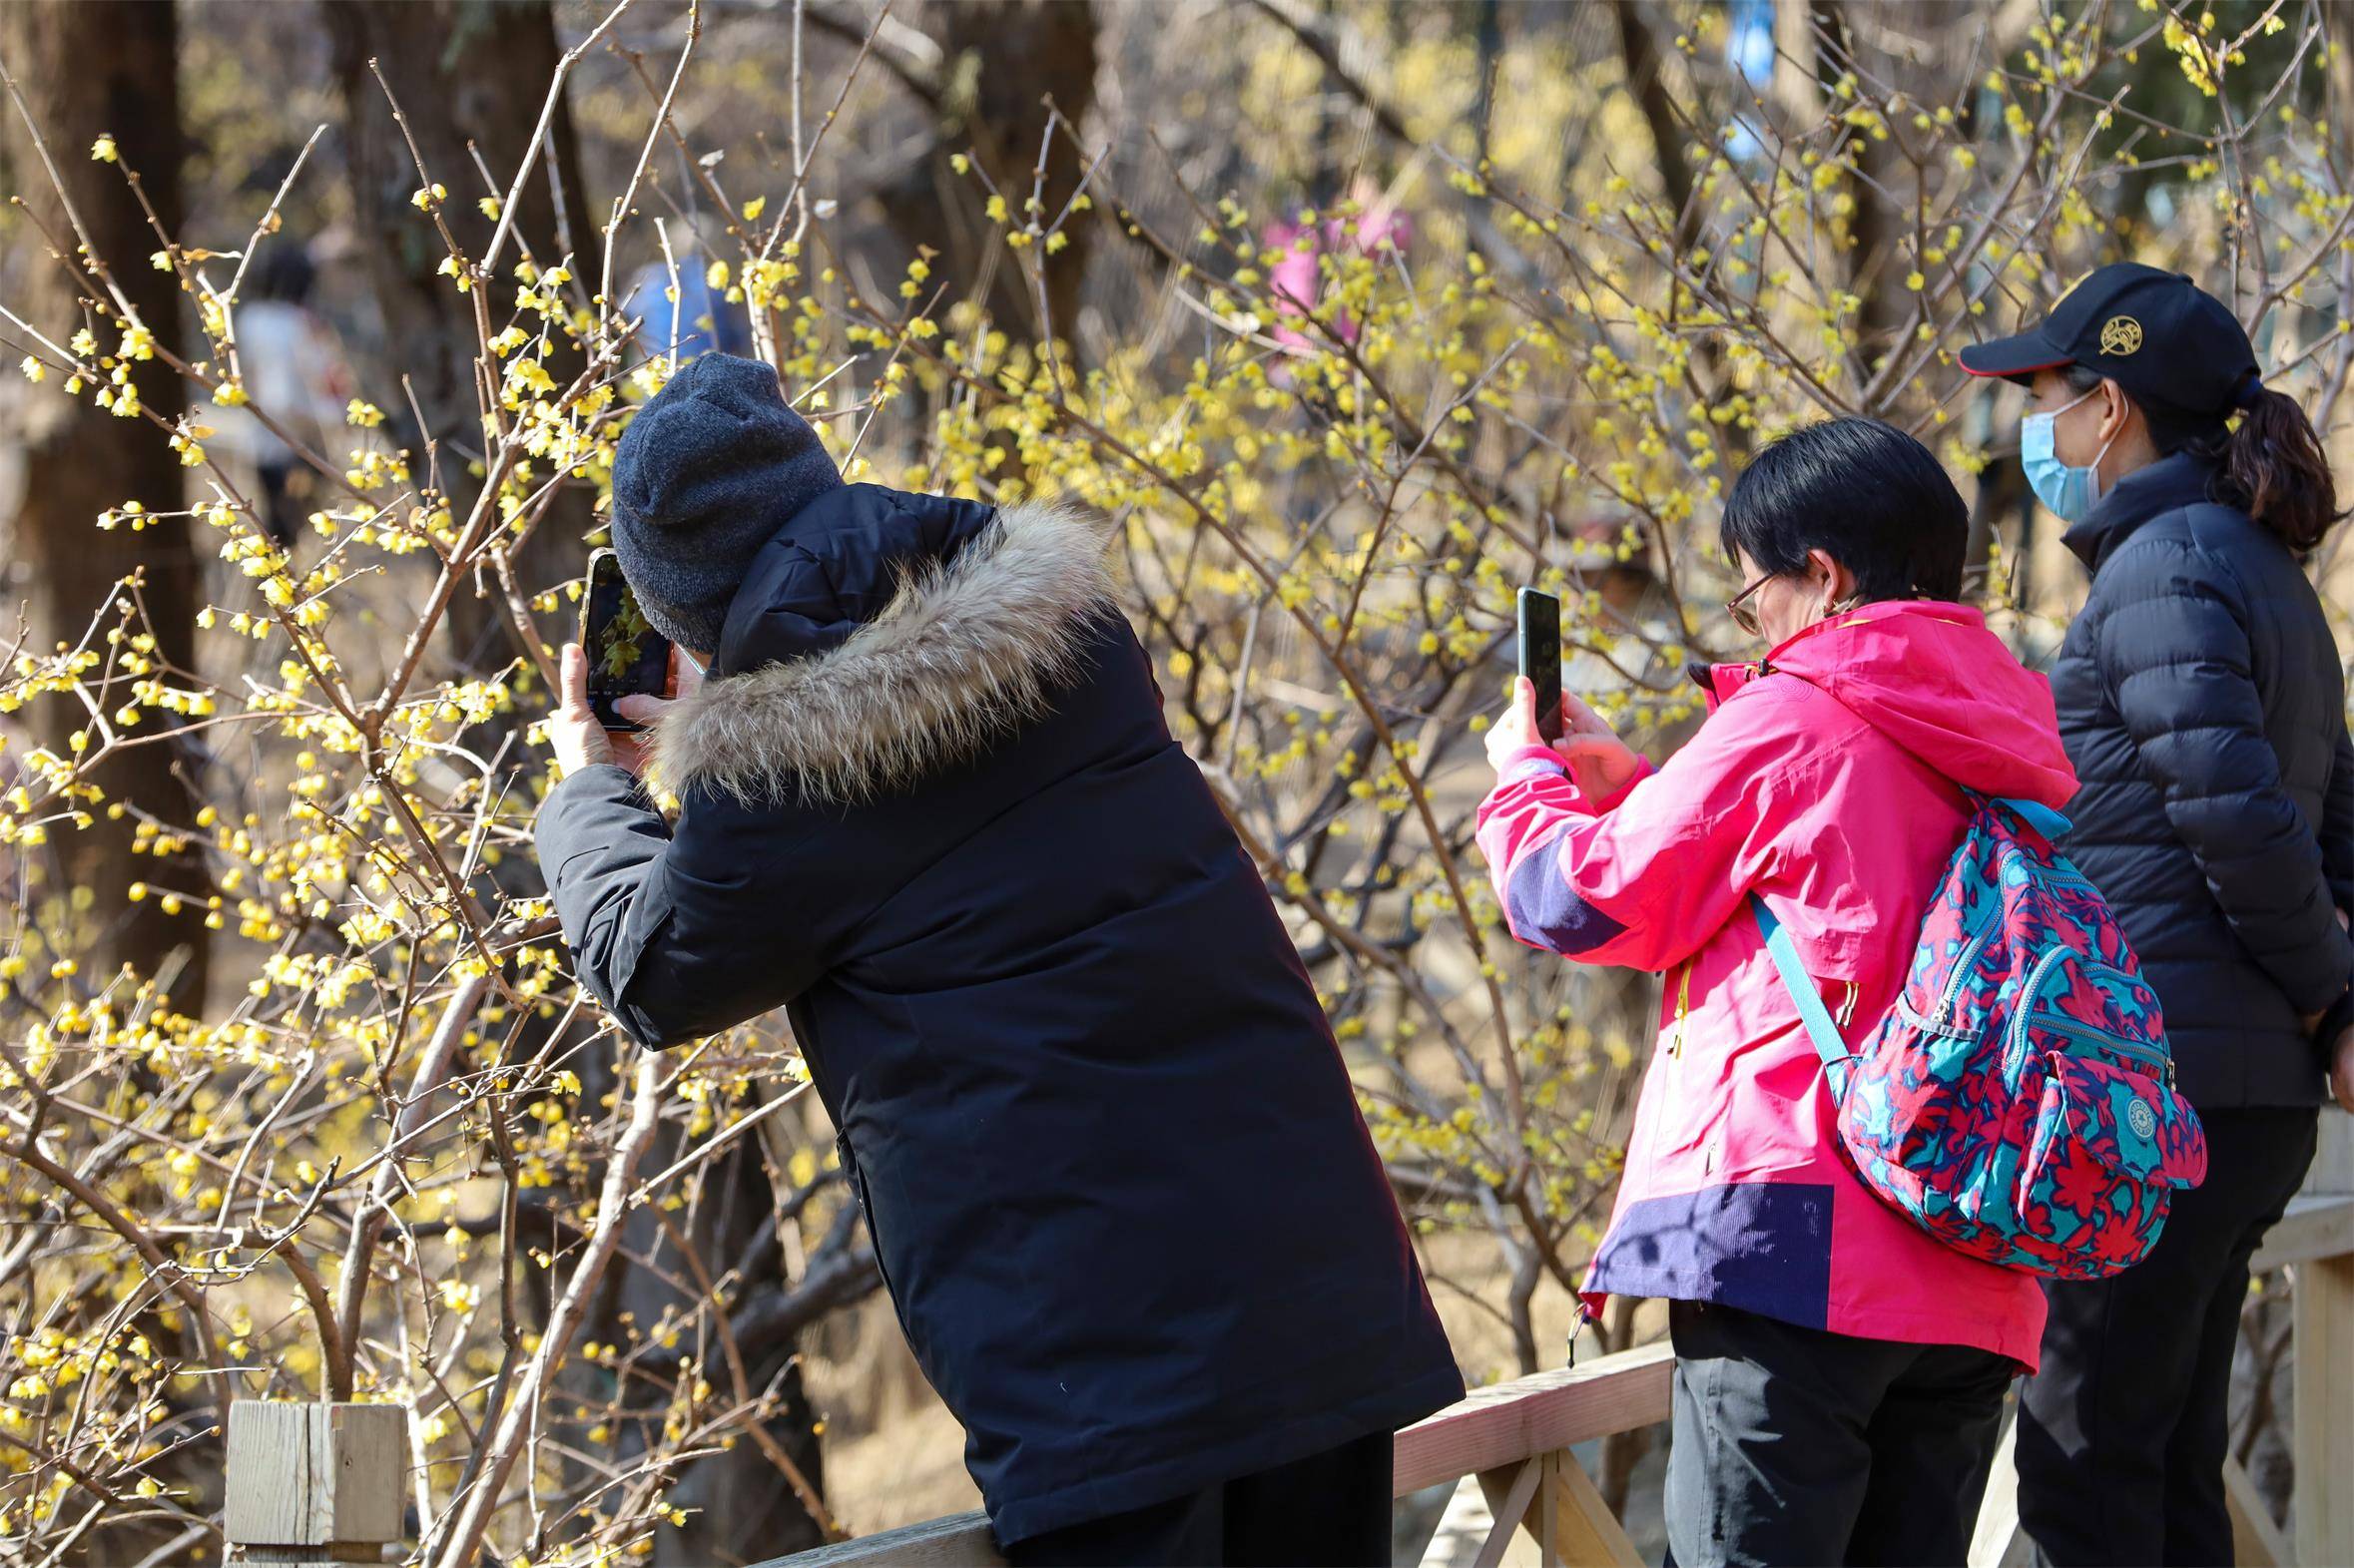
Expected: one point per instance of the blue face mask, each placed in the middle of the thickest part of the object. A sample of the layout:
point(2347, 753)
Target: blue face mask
point(2067, 493)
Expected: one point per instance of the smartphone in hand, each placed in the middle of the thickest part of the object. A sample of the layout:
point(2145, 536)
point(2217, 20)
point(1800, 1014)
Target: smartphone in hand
point(1540, 656)
point(626, 656)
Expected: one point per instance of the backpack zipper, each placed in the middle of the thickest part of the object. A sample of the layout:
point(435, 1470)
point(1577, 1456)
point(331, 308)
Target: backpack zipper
point(1683, 1008)
point(2015, 1056)
point(2114, 1045)
point(1962, 967)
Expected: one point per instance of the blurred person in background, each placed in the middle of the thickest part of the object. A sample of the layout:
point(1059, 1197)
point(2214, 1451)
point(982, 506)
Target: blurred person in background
point(2202, 702)
point(696, 322)
point(1296, 279)
point(295, 371)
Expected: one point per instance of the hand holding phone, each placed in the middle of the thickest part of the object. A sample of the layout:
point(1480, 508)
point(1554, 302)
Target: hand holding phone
point(581, 740)
point(626, 656)
point(1600, 764)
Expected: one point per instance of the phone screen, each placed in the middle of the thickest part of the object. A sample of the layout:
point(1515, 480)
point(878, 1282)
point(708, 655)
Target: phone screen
point(626, 656)
point(1540, 656)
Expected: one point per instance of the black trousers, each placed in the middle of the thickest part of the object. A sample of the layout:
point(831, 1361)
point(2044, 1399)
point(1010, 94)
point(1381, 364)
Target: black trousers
point(1799, 1446)
point(1330, 1510)
point(2122, 1433)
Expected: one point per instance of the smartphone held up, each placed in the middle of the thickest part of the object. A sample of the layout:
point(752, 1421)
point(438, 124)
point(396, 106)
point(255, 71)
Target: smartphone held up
point(626, 656)
point(1540, 656)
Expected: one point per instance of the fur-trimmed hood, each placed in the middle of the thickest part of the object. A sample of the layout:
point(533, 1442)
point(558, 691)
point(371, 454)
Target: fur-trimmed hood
point(965, 650)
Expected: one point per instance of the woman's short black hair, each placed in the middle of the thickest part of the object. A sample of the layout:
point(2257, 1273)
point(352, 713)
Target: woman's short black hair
point(1872, 498)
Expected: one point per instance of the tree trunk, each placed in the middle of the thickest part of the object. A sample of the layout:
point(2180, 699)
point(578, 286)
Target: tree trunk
point(1861, 35)
point(1488, 38)
point(477, 71)
point(1639, 48)
point(463, 71)
point(86, 71)
point(739, 1507)
point(2340, 20)
point(1000, 61)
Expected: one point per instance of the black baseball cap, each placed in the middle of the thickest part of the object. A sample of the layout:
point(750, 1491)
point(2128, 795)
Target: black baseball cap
point(2156, 334)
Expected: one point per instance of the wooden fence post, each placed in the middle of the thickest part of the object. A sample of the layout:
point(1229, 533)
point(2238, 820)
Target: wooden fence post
point(2323, 1308)
point(314, 1484)
point(1552, 1502)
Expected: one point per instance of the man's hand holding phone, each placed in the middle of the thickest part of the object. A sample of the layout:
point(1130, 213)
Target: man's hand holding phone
point(581, 741)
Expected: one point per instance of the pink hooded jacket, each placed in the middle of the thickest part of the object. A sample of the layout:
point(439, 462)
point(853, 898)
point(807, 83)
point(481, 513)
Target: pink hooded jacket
point(1826, 780)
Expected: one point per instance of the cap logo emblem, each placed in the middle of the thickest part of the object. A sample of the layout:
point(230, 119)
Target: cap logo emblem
point(2120, 335)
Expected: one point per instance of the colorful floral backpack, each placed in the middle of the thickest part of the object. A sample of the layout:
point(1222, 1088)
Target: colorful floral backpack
point(2018, 1102)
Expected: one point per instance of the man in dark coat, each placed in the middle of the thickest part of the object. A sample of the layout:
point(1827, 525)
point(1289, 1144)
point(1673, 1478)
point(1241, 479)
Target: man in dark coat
point(1122, 1198)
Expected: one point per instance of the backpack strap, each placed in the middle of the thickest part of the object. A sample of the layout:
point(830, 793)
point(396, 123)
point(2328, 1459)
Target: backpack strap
point(2041, 817)
point(1817, 1018)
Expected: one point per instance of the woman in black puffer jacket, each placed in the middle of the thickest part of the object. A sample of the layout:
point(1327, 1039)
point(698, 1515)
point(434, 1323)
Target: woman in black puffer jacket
point(2202, 702)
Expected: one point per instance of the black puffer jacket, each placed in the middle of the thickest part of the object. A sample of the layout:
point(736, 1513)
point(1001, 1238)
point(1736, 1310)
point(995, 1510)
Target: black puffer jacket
point(2204, 704)
point(1119, 1184)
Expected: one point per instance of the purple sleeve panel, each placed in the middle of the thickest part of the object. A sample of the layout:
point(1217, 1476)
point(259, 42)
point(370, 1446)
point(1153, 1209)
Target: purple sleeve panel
point(1532, 762)
point(1762, 1246)
point(1546, 911)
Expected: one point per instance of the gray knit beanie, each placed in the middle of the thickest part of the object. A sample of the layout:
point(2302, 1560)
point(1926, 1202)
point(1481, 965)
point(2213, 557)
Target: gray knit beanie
point(707, 472)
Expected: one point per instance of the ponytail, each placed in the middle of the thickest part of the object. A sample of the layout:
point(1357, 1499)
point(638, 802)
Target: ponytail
point(2270, 464)
point(2273, 466)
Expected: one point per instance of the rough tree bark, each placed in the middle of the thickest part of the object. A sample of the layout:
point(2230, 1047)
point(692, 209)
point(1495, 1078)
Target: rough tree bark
point(86, 71)
point(1638, 46)
point(1000, 61)
point(740, 1506)
point(1879, 40)
point(463, 71)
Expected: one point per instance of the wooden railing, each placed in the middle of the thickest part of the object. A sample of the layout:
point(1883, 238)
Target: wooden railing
point(321, 1483)
point(1513, 1436)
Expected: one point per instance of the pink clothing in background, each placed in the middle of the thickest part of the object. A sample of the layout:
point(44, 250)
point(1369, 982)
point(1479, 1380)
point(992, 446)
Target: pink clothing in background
point(1296, 281)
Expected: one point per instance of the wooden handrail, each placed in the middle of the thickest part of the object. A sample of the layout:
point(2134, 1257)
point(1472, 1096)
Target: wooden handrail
point(2321, 1316)
point(1491, 1428)
point(2316, 1237)
point(2317, 1225)
point(960, 1540)
point(1506, 1423)
point(1515, 1437)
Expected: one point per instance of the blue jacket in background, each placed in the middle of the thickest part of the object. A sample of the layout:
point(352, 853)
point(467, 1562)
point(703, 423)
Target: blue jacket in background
point(2202, 702)
point(1120, 1191)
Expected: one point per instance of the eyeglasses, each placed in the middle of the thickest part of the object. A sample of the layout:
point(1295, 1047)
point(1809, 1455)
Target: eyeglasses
point(1738, 606)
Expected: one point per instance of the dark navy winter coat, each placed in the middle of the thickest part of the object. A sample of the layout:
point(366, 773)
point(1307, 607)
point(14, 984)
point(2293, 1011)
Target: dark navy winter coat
point(2203, 703)
point(1117, 1181)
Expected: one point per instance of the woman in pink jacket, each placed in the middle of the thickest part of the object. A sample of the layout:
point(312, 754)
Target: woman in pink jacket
point(1839, 1374)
